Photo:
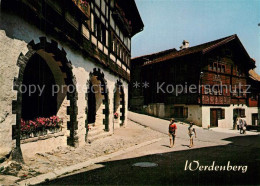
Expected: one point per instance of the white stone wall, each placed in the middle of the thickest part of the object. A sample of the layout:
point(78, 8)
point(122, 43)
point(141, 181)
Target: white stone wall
point(200, 115)
point(15, 34)
point(228, 121)
point(8, 70)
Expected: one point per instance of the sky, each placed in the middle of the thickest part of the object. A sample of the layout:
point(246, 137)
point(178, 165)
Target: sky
point(169, 22)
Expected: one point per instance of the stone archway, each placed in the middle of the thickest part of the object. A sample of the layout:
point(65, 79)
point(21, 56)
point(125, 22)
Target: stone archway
point(97, 110)
point(61, 68)
point(119, 104)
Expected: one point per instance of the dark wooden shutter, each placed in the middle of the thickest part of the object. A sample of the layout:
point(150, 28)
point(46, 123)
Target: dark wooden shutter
point(185, 110)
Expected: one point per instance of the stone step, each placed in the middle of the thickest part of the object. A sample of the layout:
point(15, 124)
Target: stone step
point(99, 136)
point(95, 132)
point(96, 128)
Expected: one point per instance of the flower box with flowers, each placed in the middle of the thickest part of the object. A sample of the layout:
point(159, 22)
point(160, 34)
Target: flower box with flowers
point(40, 126)
point(116, 115)
point(84, 6)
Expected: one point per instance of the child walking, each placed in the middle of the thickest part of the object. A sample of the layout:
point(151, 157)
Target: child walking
point(191, 133)
point(172, 132)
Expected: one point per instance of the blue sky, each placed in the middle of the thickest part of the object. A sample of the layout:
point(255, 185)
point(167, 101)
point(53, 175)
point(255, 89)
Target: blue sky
point(169, 22)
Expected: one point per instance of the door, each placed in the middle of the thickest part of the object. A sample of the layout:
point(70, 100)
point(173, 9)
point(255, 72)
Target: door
point(254, 119)
point(213, 118)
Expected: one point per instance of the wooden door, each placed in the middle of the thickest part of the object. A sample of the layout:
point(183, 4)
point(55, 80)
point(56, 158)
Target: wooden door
point(213, 118)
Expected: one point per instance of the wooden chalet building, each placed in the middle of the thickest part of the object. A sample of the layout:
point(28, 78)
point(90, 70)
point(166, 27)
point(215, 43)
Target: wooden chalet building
point(81, 46)
point(205, 84)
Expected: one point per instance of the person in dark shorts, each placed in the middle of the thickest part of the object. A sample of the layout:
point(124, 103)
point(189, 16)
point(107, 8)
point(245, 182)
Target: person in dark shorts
point(191, 133)
point(172, 132)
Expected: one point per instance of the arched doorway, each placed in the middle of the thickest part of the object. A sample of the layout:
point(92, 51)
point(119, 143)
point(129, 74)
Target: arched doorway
point(42, 60)
point(119, 104)
point(38, 100)
point(97, 102)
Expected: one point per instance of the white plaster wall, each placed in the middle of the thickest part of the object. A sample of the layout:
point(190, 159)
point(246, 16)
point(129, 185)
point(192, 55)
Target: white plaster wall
point(228, 121)
point(15, 33)
point(249, 112)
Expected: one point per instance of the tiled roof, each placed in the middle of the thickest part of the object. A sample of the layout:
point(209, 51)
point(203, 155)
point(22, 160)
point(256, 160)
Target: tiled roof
point(192, 50)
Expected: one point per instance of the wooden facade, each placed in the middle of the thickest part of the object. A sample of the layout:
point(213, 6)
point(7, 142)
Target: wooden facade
point(212, 74)
point(88, 26)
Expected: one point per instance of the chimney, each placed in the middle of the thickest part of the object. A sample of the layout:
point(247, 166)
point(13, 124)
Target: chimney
point(185, 44)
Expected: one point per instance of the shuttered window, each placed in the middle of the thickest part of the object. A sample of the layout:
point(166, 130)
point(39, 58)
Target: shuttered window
point(180, 112)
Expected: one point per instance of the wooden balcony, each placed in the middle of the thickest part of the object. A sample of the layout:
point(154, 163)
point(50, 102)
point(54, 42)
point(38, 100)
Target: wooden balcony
point(215, 100)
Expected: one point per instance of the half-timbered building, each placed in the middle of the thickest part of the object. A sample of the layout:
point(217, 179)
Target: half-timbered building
point(77, 55)
point(210, 84)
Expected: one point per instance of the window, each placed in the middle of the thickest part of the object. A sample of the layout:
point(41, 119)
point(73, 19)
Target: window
point(118, 49)
point(239, 112)
point(219, 68)
point(254, 96)
point(95, 26)
point(221, 113)
point(107, 36)
point(99, 30)
point(223, 68)
point(120, 53)
point(215, 66)
point(123, 56)
point(113, 45)
point(180, 112)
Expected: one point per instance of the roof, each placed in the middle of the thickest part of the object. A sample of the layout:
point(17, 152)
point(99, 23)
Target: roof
point(253, 75)
point(154, 55)
point(133, 14)
point(204, 48)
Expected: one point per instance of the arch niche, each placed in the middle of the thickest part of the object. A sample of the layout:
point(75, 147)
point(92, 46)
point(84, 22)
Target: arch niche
point(97, 110)
point(44, 64)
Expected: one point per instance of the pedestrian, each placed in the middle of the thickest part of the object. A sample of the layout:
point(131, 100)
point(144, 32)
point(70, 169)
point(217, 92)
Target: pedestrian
point(241, 124)
point(172, 132)
point(244, 125)
point(191, 132)
point(238, 123)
